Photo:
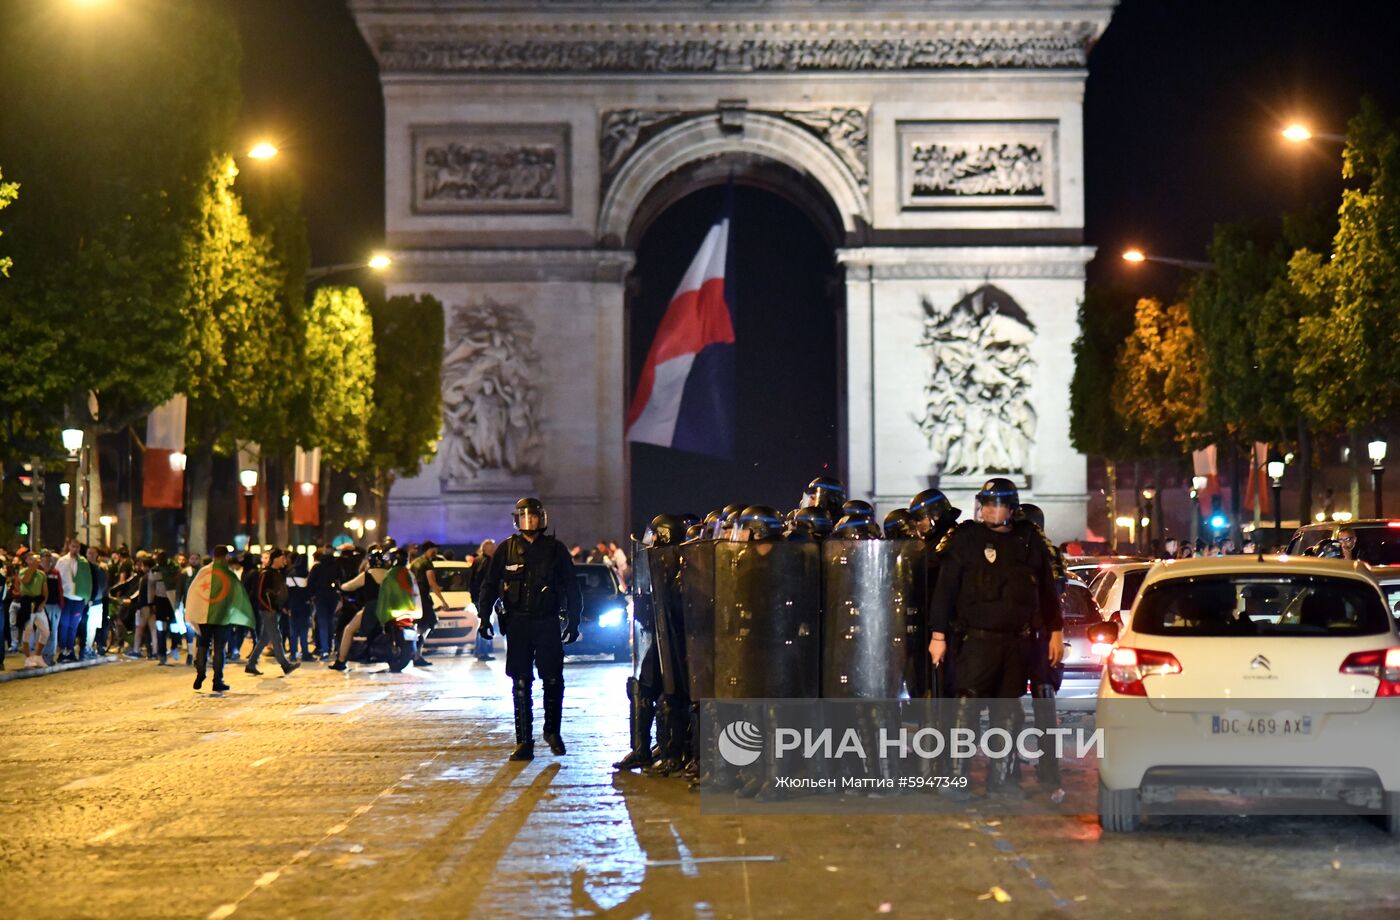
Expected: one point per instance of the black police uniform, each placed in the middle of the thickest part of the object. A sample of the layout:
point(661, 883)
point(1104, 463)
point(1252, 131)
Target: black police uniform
point(536, 586)
point(994, 590)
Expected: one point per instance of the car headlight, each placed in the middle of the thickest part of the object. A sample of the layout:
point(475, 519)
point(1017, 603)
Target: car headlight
point(610, 618)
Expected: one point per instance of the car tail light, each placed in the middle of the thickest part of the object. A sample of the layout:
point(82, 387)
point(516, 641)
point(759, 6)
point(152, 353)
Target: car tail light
point(1101, 649)
point(1128, 666)
point(1393, 524)
point(1382, 664)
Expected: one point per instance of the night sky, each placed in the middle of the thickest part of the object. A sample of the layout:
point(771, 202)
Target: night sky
point(1182, 109)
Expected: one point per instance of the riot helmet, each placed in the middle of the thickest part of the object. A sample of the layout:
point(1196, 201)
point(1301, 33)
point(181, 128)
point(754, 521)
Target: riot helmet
point(530, 516)
point(666, 529)
point(824, 492)
point(932, 504)
point(997, 501)
point(899, 524)
point(686, 521)
point(711, 524)
point(729, 523)
point(857, 507)
point(814, 522)
point(1034, 514)
point(759, 522)
point(856, 527)
point(694, 532)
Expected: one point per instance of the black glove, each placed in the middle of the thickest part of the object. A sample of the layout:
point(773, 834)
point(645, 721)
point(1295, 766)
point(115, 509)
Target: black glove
point(483, 628)
point(571, 632)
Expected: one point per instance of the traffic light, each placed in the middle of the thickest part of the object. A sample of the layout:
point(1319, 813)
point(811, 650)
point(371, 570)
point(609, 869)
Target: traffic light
point(23, 528)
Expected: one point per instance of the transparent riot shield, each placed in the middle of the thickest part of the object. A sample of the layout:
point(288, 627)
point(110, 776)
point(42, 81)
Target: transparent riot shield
point(664, 562)
point(873, 592)
point(697, 580)
point(767, 620)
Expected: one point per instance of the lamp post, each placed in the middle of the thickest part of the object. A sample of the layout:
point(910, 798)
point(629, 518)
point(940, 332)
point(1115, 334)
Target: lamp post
point(1376, 451)
point(1137, 257)
point(73, 443)
point(107, 521)
point(1131, 523)
point(348, 499)
point(1299, 133)
point(1198, 484)
point(249, 480)
point(1148, 493)
point(1276, 468)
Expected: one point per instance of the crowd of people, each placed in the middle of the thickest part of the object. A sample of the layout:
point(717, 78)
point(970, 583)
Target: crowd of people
point(82, 602)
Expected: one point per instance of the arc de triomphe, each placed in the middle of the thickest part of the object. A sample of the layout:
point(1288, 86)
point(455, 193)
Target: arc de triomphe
point(937, 142)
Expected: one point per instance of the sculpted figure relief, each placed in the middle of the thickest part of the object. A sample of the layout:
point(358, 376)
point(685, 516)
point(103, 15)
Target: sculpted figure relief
point(489, 402)
point(979, 417)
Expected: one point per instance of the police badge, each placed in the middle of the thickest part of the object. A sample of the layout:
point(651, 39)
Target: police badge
point(990, 552)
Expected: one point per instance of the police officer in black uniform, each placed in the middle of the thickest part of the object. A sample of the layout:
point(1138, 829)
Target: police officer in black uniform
point(1045, 678)
point(996, 586)
point(644, 686)
point(932, 516)
point(532, 575)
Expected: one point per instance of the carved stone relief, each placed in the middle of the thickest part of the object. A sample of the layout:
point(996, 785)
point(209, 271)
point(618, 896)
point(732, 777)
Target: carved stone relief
point(490, 408)
point(491, 169)
point(843, 129)
point(979, 418)
point(977, 164)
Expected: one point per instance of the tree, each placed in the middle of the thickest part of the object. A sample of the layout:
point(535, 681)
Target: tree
point(8, 192)
point(338, 377)
point(405, 420)
point(1157, 390)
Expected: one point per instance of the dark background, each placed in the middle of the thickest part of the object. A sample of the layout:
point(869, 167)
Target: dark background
point(1182, 112)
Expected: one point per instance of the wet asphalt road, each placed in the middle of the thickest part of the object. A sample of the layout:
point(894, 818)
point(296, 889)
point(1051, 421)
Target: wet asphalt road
point(123, 793)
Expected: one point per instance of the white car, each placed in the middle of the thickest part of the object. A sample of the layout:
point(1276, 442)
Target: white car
point(1116, 587)
point(1263, 677)
point(456, 624)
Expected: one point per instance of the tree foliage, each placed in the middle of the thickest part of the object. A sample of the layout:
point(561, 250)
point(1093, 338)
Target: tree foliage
point(406, 418)
point(1105, 321)
point(8, 192)
point(338, 377)
point(1157, 390)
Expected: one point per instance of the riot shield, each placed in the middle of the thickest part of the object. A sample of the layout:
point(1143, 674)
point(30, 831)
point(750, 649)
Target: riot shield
point(664, 563)
point(697, 579)
point(767, 620)
point(872, 638)
point(643, 621)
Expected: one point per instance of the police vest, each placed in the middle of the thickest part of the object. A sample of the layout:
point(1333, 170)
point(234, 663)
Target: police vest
point(527, 588)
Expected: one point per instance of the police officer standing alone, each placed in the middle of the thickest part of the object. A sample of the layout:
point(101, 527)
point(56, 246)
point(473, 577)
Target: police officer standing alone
point(533, 576)
point(996, 587)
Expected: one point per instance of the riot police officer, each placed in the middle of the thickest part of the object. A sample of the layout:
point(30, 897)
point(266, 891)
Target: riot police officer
point(857, 508)
point(856, 527)
point(811, 523)
point(899, 525)
point(932, 516)
point(1045, 678)
point(996, 585)
point(644, 686)
point(532, 575)
point(825, 492)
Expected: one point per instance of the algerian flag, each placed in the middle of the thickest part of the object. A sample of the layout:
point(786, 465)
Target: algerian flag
point(398, 596)
point(216, 596)
point(82, 579)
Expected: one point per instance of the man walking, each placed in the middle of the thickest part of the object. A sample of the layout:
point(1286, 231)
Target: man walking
point(481, 649)
point(323, 584)
point(215, 601)
point(271, 598)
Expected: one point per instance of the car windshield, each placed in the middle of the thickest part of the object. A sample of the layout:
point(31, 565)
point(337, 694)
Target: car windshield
point(453, 579)
point(1258, 605)
point(595, 579)
point(1377, 545)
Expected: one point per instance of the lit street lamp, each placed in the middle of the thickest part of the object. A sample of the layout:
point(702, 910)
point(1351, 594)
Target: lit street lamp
point(249, 480)
point(1198, 485)
point(1298, 133)
point(77, 516)
point(1137, 257)
point(1148, 493)
point(106, 521)
point(1376, 451)
point(65, 489)
point(378, 262)
point(263, 150)
point(1275, 469)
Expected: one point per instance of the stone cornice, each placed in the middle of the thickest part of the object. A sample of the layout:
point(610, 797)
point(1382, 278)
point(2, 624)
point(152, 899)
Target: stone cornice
point(895, 263)
point(410, 43)
point(484, 265)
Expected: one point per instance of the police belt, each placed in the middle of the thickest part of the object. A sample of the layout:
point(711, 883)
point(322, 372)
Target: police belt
point(971, 632)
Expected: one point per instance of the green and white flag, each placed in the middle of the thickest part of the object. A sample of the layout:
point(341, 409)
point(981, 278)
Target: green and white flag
point(398, 596)
point(217, 597)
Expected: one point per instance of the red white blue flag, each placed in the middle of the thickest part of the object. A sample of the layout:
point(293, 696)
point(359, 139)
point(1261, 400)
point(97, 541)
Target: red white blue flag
point(685, 398)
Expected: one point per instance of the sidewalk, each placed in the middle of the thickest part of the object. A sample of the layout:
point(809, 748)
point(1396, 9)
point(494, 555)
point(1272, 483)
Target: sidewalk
point(13, 673)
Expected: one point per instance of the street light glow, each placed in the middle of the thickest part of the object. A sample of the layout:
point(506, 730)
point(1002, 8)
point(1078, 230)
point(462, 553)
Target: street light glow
point(263, 150)
point(1134, 255)
point(248, 479)
point(379, 261)
point(1376, 451)
point(178, 461)
point(1297, 133)
point(72, 439)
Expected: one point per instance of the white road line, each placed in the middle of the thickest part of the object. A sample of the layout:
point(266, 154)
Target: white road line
point(262, 760)
point(111, 832)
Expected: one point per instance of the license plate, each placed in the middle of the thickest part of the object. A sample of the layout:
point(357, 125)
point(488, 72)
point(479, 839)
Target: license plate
point(1245, 725)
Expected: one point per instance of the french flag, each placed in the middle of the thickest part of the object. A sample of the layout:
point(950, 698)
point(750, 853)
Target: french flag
point(685, 398)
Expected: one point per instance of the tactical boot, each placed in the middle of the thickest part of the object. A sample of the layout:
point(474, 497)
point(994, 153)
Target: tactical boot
point(965, 714)
point(553, 715)
point(1047, 766)
point(667, 750)
point(1003, 775)
point(642, 712)
point(524, 722)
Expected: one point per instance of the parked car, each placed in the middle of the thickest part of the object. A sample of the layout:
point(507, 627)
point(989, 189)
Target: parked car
point(1083, 664)
point(607, 619)
point(1116, 587)
point(1087, 568)
point(1252, 677)
point(1377, 540)
point(456, 624)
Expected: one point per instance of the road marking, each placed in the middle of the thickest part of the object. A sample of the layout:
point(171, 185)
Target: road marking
point(263, 760)
point(342, 703)
point(111, 832)
point(85, 782)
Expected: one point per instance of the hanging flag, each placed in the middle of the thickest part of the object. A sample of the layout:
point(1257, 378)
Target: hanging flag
point(685, 398)
point(163, 469)
point(306, 487)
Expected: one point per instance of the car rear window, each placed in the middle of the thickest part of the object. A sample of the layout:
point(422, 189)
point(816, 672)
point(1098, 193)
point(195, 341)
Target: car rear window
point(595, 579)
point(1077, 605)
point(1258, 605)
point(1307, 539)
point(453, 579)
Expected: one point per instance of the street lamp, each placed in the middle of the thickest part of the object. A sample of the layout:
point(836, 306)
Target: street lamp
point(378, 261)
point(358, 526)
point(1275, 469)
point(106, 521)
point(1376, 451)
point(263, 150)
point(1137, 257)
point(72, 440)
point(1297, 133)
point(1148, 493)
point(348, 500)
point(65, 489)
point(179, 460)
point(1198, 485)
point(249, 480)
point(371, 524)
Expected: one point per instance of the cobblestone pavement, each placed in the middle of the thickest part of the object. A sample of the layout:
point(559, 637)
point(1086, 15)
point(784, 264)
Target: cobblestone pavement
point(125, 794)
